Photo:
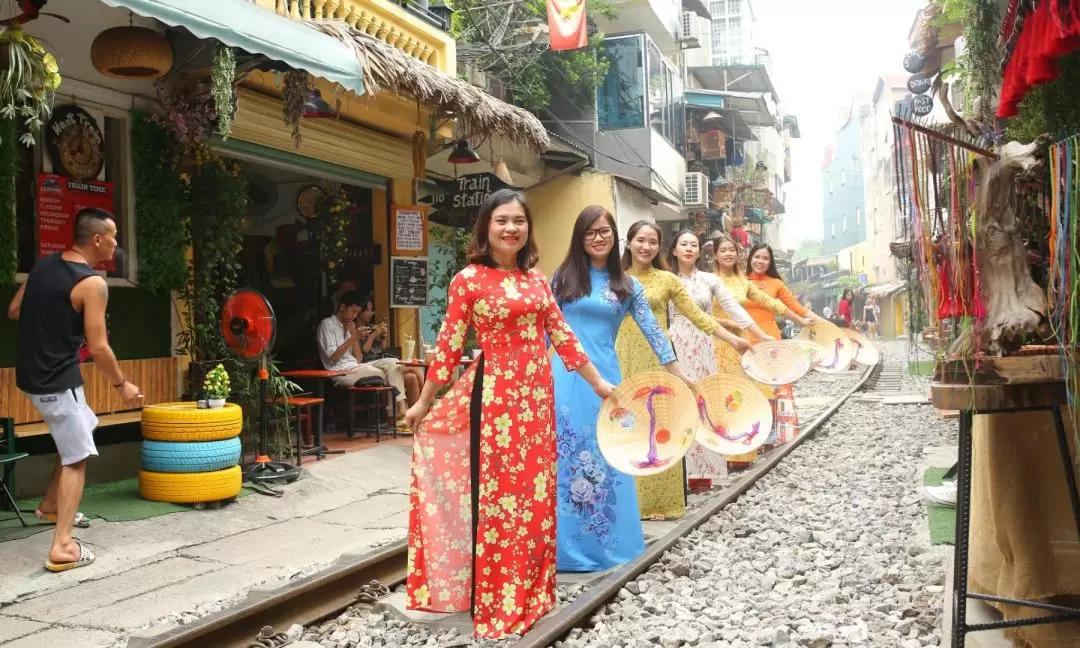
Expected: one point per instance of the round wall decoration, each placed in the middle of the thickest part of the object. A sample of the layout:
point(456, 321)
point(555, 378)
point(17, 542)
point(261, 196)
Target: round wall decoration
point(307, 200)
point(75, 142)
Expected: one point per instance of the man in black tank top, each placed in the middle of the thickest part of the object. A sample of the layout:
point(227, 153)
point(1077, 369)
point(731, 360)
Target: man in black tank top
point(62, 304)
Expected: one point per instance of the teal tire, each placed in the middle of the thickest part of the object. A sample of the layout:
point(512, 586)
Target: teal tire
point(190, 457)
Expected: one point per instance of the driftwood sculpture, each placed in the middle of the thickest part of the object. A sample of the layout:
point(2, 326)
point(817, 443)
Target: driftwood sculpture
point(1015, 305)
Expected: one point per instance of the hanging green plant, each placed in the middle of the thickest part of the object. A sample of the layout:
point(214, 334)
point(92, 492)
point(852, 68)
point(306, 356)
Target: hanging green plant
point(28, 85)
point(159, 206)
point(333, 214)
point(222, 77)
point(295, 93)
point(215, 206)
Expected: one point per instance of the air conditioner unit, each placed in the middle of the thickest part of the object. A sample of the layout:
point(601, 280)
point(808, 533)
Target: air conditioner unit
point(696, 190)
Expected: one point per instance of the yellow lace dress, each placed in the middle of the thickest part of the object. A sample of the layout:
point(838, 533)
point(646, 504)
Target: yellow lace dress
point(727, 358)
point(662, 495)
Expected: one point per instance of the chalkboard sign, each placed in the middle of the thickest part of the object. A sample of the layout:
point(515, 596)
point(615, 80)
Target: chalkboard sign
point(408, 282)
point(914, 61)
point(920, 83)
point(922, 105)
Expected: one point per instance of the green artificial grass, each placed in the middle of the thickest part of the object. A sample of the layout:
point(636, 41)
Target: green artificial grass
point(921, 368)
point(942, 519)
point(116, 501)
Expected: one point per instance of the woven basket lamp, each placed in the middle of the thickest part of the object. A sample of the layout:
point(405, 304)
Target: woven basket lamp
point(131, 53)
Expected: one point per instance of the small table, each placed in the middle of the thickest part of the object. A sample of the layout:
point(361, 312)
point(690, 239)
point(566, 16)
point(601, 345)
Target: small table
point(319, 376)
point(970, 399)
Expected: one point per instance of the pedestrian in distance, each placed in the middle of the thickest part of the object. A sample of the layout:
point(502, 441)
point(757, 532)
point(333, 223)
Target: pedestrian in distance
point(61, 304)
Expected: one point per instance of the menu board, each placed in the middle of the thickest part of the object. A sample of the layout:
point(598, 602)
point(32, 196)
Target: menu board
point(58, 200)
point(408, 230)
point(408, 282)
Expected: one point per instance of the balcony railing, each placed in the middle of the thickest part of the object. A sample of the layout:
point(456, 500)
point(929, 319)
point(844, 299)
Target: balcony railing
point(407, 26)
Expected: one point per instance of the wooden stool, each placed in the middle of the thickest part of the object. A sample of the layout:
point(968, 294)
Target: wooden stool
point(377, 391)
point(302, 406)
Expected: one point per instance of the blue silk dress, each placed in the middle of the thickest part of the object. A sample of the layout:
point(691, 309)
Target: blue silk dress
point(598, 523)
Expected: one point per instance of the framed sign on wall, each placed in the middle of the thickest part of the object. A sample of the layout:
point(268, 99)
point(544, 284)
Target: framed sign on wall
point(408, 230)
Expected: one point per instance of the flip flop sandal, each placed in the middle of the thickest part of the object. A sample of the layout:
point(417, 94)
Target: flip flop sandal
point(372, 592)
point(81, 521)
point(85, 558)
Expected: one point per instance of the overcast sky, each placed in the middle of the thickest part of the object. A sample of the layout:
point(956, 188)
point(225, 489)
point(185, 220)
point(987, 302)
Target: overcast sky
point(823, 52)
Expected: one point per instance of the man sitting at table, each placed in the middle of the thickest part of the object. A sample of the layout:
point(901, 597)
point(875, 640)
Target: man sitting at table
point(340, 345)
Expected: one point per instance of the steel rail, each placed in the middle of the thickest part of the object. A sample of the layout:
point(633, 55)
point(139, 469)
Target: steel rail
point(319, 596)
point(560, 622)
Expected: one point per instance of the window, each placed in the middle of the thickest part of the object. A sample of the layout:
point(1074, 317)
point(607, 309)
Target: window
point(734, 7)
point(31, 161)
point(858, 216)
point(734, 44)
point(620, 99)
point(830, 186)
point(665, 99)
point(845, 222)
point(716, 8)
point(832, 228)
point(843, 177)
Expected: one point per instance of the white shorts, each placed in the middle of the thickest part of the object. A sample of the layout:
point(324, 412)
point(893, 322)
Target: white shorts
point(71, 423)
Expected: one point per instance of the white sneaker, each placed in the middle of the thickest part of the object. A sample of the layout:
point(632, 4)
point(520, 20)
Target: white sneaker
point(944, 495)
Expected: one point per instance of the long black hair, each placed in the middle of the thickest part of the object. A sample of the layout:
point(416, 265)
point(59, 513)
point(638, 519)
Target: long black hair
point(658, 261)
point(672, 259)
point(771, 271)
point(571, 280)
point(479, 246)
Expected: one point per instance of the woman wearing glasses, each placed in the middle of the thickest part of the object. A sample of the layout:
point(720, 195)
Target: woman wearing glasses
point(598, 526)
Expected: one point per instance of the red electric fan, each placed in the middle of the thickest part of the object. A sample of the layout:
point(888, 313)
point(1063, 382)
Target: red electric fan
point(249, 326)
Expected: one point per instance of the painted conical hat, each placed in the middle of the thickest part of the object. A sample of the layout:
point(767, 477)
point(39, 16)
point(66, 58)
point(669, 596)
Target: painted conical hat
point(734, 416)
point(865, 351)
point(839, 349)
point(816, 351)
point(648, 425)
point(776, 363)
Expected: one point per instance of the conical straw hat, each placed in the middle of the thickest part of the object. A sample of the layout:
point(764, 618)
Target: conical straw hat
point(839, 349)
point(865, 351)
point(816, 351)
point(734, 417)
point(776, 363)
point(648, 425)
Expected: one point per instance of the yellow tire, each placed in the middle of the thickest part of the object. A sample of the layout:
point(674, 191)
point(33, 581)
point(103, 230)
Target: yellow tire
point(190, 488)
point(185, 422)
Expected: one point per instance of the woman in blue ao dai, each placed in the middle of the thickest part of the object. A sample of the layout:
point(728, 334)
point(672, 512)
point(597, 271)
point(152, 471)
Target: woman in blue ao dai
point(598, 525)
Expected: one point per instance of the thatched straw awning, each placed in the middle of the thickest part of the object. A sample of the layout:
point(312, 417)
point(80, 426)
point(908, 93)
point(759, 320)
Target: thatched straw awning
point(477, 113)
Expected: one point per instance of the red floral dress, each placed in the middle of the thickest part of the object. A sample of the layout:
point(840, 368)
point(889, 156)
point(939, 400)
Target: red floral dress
point(482, 496)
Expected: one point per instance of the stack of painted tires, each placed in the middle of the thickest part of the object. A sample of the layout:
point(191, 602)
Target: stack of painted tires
point(190, 455)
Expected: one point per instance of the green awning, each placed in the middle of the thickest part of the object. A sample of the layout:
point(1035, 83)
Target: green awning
point(253, 29)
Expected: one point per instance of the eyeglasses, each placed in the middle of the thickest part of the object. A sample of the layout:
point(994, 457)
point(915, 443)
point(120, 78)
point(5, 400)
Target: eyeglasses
point(603, 234)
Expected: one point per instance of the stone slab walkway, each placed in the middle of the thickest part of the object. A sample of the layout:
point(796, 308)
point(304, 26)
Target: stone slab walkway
point(152, 574)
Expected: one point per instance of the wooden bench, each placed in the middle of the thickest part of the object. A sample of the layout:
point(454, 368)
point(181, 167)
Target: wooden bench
point(27, 430)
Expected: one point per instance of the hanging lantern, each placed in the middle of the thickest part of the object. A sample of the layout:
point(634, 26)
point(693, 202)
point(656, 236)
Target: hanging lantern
point(131, 53)
point(463, 154)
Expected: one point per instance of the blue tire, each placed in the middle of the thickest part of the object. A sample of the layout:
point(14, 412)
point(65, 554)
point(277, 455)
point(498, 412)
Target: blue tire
point(191, 457)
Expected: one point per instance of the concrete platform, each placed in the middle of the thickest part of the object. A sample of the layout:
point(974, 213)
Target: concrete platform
point(150, 572)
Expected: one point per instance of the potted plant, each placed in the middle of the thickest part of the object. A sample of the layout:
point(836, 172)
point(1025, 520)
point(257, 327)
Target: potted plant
point(29, 77)
point(216, 386)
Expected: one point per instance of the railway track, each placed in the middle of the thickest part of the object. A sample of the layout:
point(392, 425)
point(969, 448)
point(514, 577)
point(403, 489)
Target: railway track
point(311, 599)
